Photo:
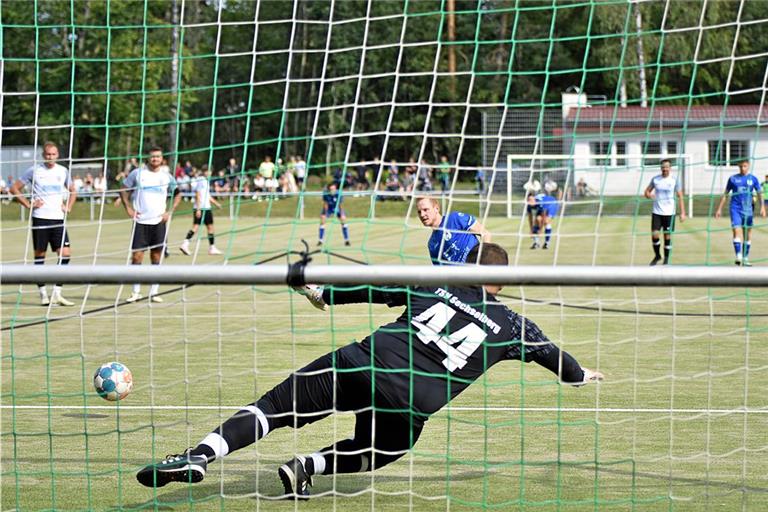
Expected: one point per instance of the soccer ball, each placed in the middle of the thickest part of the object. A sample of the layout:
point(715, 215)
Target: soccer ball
point(113, 381)
point(532, 186)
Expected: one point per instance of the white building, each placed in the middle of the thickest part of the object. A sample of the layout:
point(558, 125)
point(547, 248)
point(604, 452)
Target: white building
point(610, 144)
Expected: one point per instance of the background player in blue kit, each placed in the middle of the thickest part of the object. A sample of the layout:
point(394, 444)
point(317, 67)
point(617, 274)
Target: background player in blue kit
point(454, 234)
point(547, 207)
point(742, 186)
point(332, 206)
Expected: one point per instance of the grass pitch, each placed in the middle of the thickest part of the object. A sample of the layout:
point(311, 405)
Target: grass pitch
point(679, 424)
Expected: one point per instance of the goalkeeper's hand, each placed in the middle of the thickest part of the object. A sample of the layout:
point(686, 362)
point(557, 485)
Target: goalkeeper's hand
point(591, 376)
point(313, 293)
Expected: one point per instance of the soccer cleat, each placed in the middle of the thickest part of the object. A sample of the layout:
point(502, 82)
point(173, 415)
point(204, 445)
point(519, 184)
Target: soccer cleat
point(56, 298)
point(214, 251)
point(738, 263)
point(319, 243)
point(184, 247)
point(745, 263)
point(535, 245)
point(655, 261)
point(313, 293)
point(347, 243)
point(134, 297)
point(545, 246)
point(156, 298)
point(182, 468)
point(44, 300)
point(296, 480)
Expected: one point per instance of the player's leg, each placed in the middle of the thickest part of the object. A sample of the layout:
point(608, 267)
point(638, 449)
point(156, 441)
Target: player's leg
point(184, 248)
point(212, 249)
point(139, 246)
point(64, 254)
point(380, 438)
point(668, 226)
point(547, 223)
point(737, 236)
point(344, 227)
point(748, 221)
point(656, 238)
point(306, 396)
point(40, 246)
point(157, 249)
point(321, 234)
point(535, 230)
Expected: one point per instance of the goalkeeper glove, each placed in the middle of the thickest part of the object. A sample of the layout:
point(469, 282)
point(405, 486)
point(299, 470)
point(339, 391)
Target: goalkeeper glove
point(313, 293)
point(591, 376)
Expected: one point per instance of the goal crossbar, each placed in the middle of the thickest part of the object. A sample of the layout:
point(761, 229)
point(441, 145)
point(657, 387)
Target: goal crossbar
point(416, 275)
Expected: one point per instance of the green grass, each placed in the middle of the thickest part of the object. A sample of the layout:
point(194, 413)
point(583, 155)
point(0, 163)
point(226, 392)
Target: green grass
point(659, 434)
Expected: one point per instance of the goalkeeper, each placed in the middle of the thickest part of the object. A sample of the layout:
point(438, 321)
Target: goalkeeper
point(449, 335)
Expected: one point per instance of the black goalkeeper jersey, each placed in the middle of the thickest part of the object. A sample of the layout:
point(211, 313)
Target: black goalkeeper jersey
point(444, 340)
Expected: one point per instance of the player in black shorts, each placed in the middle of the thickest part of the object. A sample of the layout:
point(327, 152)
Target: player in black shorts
point(451, 335)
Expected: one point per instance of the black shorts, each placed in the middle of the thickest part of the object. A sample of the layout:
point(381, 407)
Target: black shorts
point(319, 389)
point(49, 232)
point(662, 222)
point(148, 236)
point(206, 217)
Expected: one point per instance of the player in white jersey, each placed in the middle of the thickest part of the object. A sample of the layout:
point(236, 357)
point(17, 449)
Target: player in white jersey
point(145, 193)
point(53, 194)
point(664, 189)
point(201, 188)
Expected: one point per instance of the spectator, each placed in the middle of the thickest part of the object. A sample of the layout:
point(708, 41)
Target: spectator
point(100, 184)
point(220, 184)
point(362, 177)
point(480, 181)
point(88, 183)
point(301, 170)
point(581, 187)
point(179, 171)
point(259, 185)
point(79, 184)
point(233, 174)
point(130, 165)
point(189, 169)
point(392, 184)
point(424, 177)
point(444, 173)
point(3, 190)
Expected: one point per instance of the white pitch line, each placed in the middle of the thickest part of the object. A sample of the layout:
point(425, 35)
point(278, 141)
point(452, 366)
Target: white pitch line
point(447, 409)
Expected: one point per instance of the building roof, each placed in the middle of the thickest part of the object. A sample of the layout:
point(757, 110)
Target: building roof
point(667, 115)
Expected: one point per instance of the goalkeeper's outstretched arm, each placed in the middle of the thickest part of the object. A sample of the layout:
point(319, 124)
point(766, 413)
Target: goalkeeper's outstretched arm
point(321, 296)
point(564, 365)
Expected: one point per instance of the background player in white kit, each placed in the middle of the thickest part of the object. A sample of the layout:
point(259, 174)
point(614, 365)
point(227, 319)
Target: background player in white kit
point(664, 189)
point(201, 188)
point(53, 194)
point(145, 195)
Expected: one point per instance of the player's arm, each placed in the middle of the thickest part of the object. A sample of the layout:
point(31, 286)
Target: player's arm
point(72, 196)
point(214, 201)
point(719, 210)
point(125, 193)
point(321, 296)
point(681, 203)
point(563, 364)
point(16, 188)
point(648, 191)
point(479, 230)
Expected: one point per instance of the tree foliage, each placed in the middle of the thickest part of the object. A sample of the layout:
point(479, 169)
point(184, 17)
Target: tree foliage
point(376, 82)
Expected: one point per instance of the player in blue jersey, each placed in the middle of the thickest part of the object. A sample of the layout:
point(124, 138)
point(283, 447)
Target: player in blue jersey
point(454, 234)
point(332, 199)
point(546, 208)
point(742, 186)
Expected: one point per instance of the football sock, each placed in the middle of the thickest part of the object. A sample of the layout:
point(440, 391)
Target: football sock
point(667, 250)
point(63, 260)
point(190, 234)
point(657, 248)
point(211, 238)
point(737, 247)
point(547, 233)
point(40, 260)
point(245, 427)
point(345, 231)
point(342, 457)
point(322, 233)
point(136, 288)
point(155, 288)
point(747, 247)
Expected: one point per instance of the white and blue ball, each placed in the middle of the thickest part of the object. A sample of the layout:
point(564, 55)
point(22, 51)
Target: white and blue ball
point(113, 381)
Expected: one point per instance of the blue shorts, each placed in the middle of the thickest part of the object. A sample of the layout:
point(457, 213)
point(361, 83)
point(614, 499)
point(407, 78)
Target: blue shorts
point(550, 210)
point(339, 213)
point(739, 219)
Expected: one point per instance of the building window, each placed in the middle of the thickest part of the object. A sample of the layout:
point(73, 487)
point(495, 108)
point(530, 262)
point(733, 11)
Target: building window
point(621, 151)
point(651, 147)
point(727, 152)
point(597, 150)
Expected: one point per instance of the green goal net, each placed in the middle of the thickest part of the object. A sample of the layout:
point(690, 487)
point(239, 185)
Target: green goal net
point(485, 106)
